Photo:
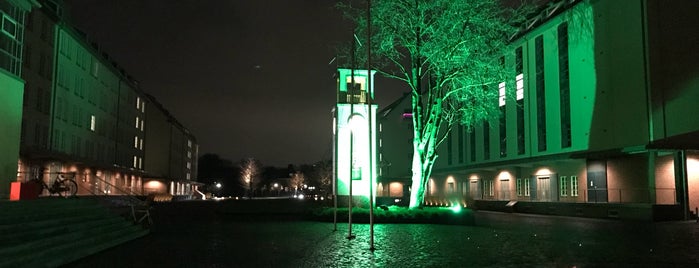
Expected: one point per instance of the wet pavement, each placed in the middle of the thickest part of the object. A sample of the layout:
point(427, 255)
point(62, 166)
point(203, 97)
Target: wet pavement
point(195, 235)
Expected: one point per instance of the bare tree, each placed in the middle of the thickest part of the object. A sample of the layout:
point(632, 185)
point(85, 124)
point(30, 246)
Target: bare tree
point(249, 174)
point(449, 54)
point(297, 181)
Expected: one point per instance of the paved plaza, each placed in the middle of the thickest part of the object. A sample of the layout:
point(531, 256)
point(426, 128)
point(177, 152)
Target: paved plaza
point(201, 237)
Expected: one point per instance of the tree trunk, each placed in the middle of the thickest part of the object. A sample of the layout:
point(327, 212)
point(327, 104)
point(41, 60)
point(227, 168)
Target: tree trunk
point(417, 193)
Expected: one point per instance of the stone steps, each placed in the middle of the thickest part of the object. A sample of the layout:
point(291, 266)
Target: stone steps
point(55, 231)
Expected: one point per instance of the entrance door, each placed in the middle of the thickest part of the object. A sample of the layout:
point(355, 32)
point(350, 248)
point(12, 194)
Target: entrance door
point(505, 190)
point(596, 181)
point(473, 190)
point(543, 188)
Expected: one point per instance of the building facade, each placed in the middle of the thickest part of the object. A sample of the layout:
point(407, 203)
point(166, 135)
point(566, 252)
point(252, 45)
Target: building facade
point(175, 170)
point(84, 114)
point(594, 120)
point(12, 86)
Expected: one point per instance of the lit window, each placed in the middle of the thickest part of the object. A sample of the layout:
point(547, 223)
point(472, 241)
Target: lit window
point(142, 124)
point(188, 176)
point(189, 154)
point(564, 186)
point(501, 88)
point(140, 163)
point(138, 121)
point(143, 107)
point(573, 185)
point(135, 142)
point(189, 144)
point(519, 187)
point(138, 103)
point(491, 190)
point(520, 86)
point(189, 165)
point(140, 144)
point(135, 161)
point(92, 122)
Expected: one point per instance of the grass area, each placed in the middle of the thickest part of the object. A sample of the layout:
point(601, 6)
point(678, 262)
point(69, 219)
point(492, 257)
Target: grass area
point(394, 214)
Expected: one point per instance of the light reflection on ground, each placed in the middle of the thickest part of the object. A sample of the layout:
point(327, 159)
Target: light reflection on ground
point(498, 240)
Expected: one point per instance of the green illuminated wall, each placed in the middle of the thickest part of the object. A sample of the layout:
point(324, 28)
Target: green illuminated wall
point(11, 97)
point(353, 142)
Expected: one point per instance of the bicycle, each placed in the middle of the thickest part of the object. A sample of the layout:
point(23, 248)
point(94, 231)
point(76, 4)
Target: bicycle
point(62, 185)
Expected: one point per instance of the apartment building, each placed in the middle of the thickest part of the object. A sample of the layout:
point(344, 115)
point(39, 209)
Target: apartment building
point(84, 113)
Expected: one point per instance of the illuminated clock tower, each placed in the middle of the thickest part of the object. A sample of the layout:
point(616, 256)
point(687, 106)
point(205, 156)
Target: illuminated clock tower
point(354, 133)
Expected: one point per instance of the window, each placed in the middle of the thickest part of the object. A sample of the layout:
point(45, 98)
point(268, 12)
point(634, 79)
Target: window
point(189, 165)
point(142, 125)
point(489, 187)
point(140, 163)
point(519, 83)
point(519, 187)
point(527, 187)
point(9, 26)
point(564, 85)
point(472, 145)
point(356, 92)
point(460, 135)
point(135, 142)
point(540, 94)
point(502, 91)
point(138, 103)
point(143, 107)
point(140, 144)
point(486, 140)
point(189, 143)
point(135, 161)
point(92, 122)
point(449, 149)
point(573, 185)
point(503, 132)
point(138, 122)
point(28, 56)
point(563, 186)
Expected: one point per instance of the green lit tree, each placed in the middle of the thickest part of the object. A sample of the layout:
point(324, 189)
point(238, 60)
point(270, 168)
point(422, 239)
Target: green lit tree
point(448, 53)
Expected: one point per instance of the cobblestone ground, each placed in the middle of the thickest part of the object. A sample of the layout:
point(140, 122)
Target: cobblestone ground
point(497, 240)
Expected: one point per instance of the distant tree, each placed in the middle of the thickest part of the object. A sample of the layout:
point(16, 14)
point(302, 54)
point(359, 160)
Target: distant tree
point(323, 172)
point(448, 53)
point(250, 175)
point(297, 180)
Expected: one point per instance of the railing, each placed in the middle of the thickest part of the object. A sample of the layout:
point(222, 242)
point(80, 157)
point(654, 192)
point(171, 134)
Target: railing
point(139, 209)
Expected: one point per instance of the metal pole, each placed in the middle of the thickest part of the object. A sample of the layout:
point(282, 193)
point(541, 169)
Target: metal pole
point(370, 92)
point(351, 149)
point(335, 130)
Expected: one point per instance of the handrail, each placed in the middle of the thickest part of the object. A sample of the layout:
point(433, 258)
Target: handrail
point(140, 209)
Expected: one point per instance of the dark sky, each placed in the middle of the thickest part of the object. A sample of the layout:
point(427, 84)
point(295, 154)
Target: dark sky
point(250, 78)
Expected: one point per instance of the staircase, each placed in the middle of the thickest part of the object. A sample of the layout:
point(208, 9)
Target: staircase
point(50, 232)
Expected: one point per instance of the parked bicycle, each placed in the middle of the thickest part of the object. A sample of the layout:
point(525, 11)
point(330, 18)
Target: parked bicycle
point(62, 185)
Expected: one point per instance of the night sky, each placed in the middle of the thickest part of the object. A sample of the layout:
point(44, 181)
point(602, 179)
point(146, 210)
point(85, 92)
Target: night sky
point(248, 78)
